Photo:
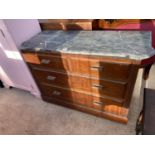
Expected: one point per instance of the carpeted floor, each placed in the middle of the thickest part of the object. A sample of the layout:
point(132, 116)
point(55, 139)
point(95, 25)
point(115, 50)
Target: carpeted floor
point(22, 113)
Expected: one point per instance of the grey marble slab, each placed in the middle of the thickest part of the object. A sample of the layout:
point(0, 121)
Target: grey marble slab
point(125, 44)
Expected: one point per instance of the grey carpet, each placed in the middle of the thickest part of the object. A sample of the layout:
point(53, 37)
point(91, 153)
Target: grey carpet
point(22, 113)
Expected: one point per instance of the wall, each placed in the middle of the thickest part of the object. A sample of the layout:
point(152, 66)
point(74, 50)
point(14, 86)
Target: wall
point(22, 29)
point(13, 69)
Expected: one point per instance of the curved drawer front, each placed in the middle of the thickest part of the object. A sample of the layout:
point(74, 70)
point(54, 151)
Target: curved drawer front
point(84, 66)
point(95, 86)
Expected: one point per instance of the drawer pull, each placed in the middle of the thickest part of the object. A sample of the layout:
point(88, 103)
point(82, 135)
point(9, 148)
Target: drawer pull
point(97, 86)
point(98, 103)
point(45, 61)
point(56, 93)
point(100, 68)
point(51, 78)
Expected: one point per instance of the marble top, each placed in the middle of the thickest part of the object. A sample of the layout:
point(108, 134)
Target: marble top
point(125, 44)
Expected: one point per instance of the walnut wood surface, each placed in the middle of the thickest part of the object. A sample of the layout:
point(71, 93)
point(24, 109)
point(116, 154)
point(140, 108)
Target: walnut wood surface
point(66, 24)
point(77, 97)
point(88, 24)
point(83, 83)
point(100, 24)
point(75, 76)
point(112, 70)
point(105, 114)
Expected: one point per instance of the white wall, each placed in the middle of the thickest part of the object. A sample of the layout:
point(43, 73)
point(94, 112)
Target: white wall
point(13, 70)
point(22, 29)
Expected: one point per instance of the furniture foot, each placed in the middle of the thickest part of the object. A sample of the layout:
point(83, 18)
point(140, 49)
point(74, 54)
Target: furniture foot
point(146, 72)
point(139, 123)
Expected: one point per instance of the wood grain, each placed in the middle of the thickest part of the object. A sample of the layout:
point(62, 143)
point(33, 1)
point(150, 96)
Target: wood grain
point(88, 66)
point(75, 77)
point(83, 83)
point(67, 24)
point(93, 111)
point(101, 24)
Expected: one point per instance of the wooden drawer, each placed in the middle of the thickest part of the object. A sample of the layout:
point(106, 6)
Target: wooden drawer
point(109, 89)
point(99, 69)
point(117, 71)
point(92, 85)
point(87, 100)
point(112, 112)
point(46, 61)
point(99, 85)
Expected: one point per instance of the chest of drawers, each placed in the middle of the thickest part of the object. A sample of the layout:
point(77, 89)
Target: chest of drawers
point(88, 83)
point(94, 72)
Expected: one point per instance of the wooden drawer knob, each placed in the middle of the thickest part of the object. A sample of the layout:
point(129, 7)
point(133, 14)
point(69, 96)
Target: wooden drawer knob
point(52, 78)
point(45, 61)
point(56, 93)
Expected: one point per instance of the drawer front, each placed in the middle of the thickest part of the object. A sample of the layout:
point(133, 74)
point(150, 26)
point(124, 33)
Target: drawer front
point(110, 89)
point(46, 61)
point(96, 86)
point(62, 80)
point(101, 70)
point(111, 71)
point(77, 97)
point(85, 66)
point(70, 96)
